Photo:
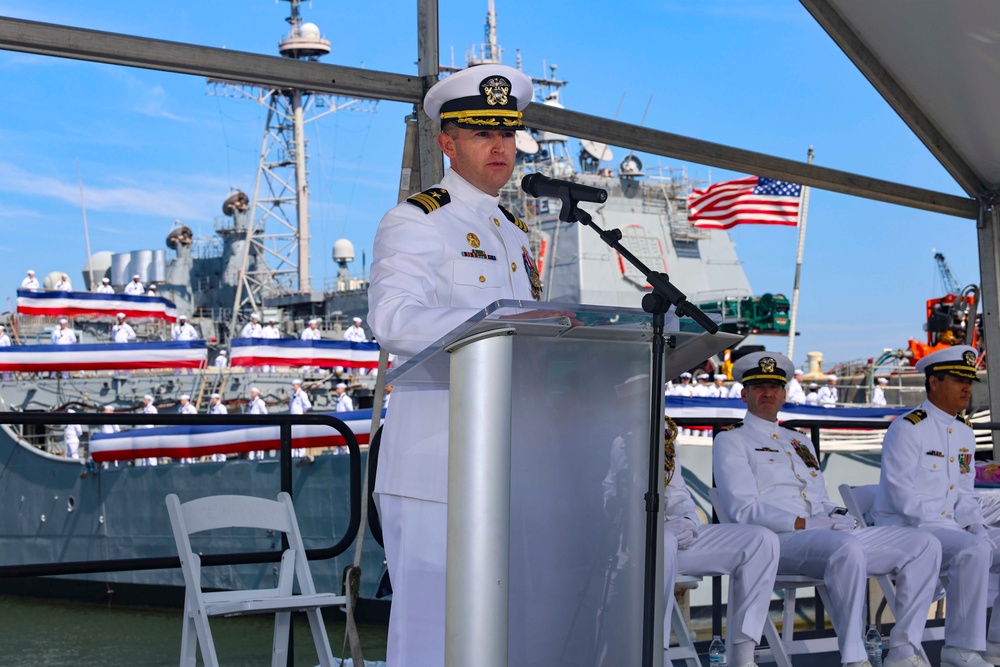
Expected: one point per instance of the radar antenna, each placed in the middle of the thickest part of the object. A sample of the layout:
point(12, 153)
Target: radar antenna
point(276, 248)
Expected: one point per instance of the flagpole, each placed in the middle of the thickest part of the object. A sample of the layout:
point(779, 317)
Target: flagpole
point(798, 263)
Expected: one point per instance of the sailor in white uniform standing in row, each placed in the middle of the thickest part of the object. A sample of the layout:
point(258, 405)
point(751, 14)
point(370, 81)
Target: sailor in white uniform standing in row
point(63, 335)
point(252, 329)
point(257, 405)
point(72, 437)
point(63, 285)
point(769, 475)
point(182, 330)
point(30, 282)
point(878, 393)
point(122, 331)
point(105, 287)
point(827, 394)
point(438, 258)
point(134, 288)
point(355, 333)
point(344, 402)
point(148, 409)
point(311, 332)
point(927, 476)
point(298, 404)
point(796, 394)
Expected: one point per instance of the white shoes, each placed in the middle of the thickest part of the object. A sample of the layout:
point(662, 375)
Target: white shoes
point(912, 661)
point(960, 657)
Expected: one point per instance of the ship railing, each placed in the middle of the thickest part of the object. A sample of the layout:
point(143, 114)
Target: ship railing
point(814, 427)
point(285, 422)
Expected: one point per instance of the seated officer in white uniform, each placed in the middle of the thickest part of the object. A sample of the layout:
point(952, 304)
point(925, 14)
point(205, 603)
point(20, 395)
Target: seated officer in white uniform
point(927, 481)
point(749, 554)
point(439, 257)
point(769, 475)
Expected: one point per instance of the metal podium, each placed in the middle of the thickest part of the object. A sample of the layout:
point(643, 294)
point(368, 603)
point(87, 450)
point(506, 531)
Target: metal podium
point(547, 471)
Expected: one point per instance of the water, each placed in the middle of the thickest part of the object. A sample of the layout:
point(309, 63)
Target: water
point(58, 634)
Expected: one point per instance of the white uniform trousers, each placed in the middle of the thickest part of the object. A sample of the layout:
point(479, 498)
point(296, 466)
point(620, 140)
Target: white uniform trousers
point(845, 559)
point(967, 562)
point(749, 554)
point(415, 533)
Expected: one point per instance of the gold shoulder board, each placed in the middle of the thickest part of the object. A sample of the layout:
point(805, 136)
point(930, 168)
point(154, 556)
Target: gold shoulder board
point(430, 200)
point(915, 417)
point(516, 220)
point(732, 426)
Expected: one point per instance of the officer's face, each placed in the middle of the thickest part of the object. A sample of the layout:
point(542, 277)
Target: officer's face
point(951, 394)
point(485, 158)
point(764, 399)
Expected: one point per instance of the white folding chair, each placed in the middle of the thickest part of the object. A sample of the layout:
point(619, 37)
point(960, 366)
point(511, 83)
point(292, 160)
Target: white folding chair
point(783, 645)
point(218, 512)
point(859, 501)
point(684, 650)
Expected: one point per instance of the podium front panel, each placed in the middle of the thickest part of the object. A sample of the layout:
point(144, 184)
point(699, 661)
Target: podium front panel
point(579, 461)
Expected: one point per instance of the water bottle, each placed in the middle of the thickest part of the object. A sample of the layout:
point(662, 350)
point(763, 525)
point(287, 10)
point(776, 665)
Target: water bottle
point(717, 652)
point(873, 646)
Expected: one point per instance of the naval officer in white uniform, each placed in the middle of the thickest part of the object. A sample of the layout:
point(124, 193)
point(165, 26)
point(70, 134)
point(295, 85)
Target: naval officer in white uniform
point(252, 329)
point(927, 477)
point(30, 282)
point(134, 288)
point(438, 258)
point(878, 394)
point(769, 475)
point(355, 333)
point(796, 394)
point(105, 287)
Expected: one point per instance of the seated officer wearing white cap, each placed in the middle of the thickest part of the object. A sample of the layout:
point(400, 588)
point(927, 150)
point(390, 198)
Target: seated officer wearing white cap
point(438, 258)
point(927, 481)
point(769, 475)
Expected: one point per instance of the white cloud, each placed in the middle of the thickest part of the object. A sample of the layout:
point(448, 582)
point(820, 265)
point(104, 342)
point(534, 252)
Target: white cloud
point(188, 197)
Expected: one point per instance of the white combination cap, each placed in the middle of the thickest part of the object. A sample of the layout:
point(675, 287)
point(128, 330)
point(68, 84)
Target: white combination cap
point(222, 353)
point(296, 381)
point(120, 315)
point(798, 371)
point(105, 280)
point(481, 97)
point(185, 397)
point(957, 360)
point(763, 367)
point(147, 397)
point(719, 376)
point(109, 408)
point(314, 321)
point(341, 385)
point(831, 378)
point(254, 390)
point(254, 316)
point(357, 320)
point(703, 376)
point(152, 287)
point(216, 396)
point(31, 272)
point(71, 410)
point(182, 317)
point(883, 381)
point(685, 374)
point(135, 277)
point(63, 320)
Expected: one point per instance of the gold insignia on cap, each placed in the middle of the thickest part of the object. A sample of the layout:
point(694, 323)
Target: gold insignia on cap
point(767, 364)
point(969, 357)
point(472, 239)
point(495, 89)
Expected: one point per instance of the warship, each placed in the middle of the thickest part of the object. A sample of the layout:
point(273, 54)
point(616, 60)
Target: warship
point(68, 510)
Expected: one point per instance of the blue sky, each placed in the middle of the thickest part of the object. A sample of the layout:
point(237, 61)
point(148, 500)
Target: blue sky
point(154, 147)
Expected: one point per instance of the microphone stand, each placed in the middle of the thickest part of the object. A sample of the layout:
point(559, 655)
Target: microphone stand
point(657, 303)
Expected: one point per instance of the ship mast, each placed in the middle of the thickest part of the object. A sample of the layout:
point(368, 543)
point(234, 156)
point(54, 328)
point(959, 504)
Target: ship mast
point(275, 252)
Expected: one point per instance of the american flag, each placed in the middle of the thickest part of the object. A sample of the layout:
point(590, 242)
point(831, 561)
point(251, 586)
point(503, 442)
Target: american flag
point(752, 200)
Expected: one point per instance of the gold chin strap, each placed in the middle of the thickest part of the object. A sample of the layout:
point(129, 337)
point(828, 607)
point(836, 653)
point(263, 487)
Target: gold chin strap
point(470, 114)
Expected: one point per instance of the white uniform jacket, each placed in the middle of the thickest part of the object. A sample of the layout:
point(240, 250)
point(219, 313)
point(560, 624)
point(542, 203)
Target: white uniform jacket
point(184, 332)
point(4, 340)
point(299, 402)
point(344, 403)
point(122, 333)
point(431, 272)
point(795, 393)
point(218, 409)
point(188, 409)
point(63, 286)
point(105, 289)
point(62, 336)
point(134, 289)
point(30, 283)
point(252, 330)
point(311, 334)
point(355, 335)
point(270, 332)
point(878, 397)
point(928, 472)
point(258, 407)
point(768, 475)
point(827, 396)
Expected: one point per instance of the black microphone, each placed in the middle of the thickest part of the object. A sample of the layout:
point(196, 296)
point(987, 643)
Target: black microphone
point(539, 185)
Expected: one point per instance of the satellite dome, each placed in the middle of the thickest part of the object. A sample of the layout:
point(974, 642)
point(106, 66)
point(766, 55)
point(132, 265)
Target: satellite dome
point(309, 31)
point(343, 251)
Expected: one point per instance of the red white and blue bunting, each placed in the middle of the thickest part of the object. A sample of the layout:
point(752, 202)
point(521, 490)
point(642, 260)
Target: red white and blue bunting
point(195, 441)
point(75, 304)
point(103, 356)
point(319, 353)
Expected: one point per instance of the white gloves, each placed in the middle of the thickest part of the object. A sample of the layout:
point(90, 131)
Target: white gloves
point(980, 530)
point(684, 529)
point(821, 522)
